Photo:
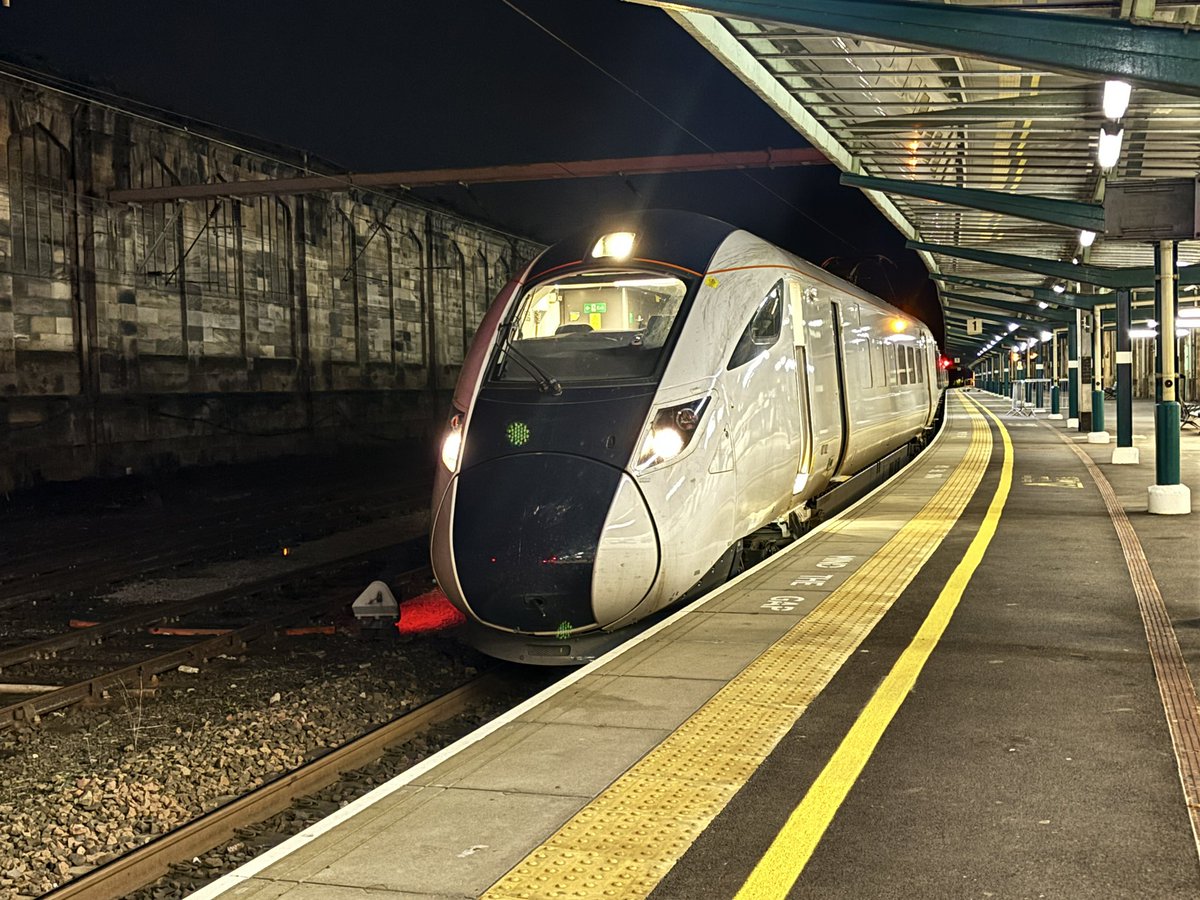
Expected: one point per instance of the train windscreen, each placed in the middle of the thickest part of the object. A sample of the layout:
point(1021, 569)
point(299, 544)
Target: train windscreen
point(591, 327)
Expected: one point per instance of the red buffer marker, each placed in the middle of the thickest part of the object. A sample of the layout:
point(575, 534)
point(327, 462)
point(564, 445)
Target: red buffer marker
point(428, 612)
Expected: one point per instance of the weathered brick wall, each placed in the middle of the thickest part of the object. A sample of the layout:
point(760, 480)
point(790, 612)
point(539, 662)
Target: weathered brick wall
point(187, 332)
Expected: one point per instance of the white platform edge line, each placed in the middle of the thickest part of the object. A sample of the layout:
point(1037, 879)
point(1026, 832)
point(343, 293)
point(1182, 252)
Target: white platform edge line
point(248, 870)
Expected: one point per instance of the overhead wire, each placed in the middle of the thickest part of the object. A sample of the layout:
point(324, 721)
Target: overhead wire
point(666, 115)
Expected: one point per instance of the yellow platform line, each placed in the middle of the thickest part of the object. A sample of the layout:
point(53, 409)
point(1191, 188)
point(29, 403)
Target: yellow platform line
point(774, 875)
point(629, 837)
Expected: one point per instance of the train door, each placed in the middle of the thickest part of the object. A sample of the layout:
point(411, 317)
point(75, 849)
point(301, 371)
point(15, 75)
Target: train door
point(824, 382)
point(805, 458)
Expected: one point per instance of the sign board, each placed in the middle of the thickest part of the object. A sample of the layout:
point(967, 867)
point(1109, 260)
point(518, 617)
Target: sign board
point(1085, 370)
point(1152, 209)
point(974, 326)
point(590, 308)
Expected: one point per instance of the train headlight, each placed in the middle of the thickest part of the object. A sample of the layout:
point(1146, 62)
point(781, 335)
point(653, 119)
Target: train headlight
point(669, 434)
point(452, 445)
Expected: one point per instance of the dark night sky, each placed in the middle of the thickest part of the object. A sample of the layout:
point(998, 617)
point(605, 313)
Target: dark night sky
point(376, 85)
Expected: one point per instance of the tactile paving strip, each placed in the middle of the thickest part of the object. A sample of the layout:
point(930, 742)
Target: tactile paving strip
point(1175, 685)
point(628, 838)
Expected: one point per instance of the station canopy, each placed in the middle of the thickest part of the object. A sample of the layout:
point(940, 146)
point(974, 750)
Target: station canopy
point(983, 120)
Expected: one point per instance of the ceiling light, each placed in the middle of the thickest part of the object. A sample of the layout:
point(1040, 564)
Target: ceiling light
point(1058, 287)
point(1116, 99)
point(1046, 335)
point(1142, 333)
point(1042, 304)
point(1108, 151)
point(1087, 238)
point(1151, 323)
point(1189, 312)
point(1012, 326)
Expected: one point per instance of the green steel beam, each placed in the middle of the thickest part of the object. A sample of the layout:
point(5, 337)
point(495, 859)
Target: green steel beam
point(1023, 330)
point(991, 322)
point(1020, 308)
point(1165, 58)
point(1141, 277)
point(1104, 276)
point(1068, 213)
point(1045, 295)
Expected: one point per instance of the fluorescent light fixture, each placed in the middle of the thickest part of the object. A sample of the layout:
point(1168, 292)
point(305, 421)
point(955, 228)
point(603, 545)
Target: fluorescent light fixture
point(1152, 323)
point(1108, 151)
point(1058, 287)
point(1142, 333)
point(1046, 335)
point(1087, 238)
point(617, 245)
point(1189, 312)
point(1012, 326)
point(1042, 304)
point(1116, 99)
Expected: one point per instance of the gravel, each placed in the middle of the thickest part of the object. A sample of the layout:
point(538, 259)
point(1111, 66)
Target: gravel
point(88, 784)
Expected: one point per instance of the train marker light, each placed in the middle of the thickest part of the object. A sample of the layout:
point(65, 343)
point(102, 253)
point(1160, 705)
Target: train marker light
point(517, 433)
point(452, 445)
point(670, 431)
point(898, 325)
point(617, 245)
point(666, 443)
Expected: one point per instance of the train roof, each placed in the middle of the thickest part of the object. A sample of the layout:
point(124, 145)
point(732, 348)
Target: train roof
point(679, 239)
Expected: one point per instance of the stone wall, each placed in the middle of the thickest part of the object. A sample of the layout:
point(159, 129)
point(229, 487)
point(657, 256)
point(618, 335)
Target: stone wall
point(176, 333)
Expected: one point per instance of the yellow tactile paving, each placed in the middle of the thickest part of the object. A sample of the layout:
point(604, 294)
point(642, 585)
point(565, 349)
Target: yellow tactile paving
point(628, 838)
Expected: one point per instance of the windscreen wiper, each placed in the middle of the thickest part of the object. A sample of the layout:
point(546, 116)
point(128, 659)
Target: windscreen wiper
point(546, 382)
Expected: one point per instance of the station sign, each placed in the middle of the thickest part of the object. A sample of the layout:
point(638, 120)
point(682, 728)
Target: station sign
point(1152, 209)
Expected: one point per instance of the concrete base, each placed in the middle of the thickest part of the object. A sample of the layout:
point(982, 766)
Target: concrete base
point(1055, 416)
point(1126, 456)
point(1072, 423)
point(1169, 499)
point(1099, 437)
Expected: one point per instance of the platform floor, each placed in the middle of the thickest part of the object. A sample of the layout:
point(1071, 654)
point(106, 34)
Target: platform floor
point(947, 691)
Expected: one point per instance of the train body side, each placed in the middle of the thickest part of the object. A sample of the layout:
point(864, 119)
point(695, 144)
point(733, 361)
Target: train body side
point(800, 380)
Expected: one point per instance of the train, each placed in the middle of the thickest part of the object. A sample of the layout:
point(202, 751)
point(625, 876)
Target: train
point(639, 407)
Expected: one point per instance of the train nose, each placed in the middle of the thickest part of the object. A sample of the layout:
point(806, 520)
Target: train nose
point(534, 534)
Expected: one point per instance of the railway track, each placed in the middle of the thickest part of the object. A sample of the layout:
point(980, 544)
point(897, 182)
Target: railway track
point(94, 562)
point(143, 672)
point(140, 867)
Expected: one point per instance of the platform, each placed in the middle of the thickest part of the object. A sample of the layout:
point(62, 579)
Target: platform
point(947, 691)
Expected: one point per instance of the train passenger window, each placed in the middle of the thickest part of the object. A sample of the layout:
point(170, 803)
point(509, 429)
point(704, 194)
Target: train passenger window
point(592, 326)
point(889, 356)
point(763, 330)
point(878, 363)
